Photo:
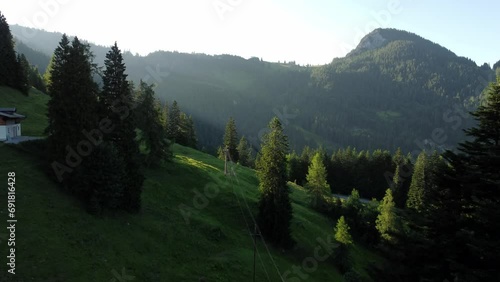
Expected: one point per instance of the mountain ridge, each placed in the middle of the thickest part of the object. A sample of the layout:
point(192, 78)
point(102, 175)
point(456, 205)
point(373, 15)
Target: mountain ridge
point(409, 84)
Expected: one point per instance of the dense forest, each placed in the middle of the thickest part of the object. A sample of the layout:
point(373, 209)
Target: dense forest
point(430, 208)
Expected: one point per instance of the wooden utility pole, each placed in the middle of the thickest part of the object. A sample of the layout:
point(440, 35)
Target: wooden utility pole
point(254, 235)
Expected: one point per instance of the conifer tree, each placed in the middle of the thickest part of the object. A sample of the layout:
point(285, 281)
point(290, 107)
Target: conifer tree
point(231, 140)
point(187, 134)
point(293, 167)
point(397, 187)
point(47, 75)
point(22, 72)
point(164, 113)
point(220, 153)
point(468, 196)
point(72, 110)
point(417, 192)
point(182, 137)
point(244, 152)
point(342, 234)
point(275, 209)
point(316, 181)
point(174, 122)
point(343, 237)
point(192, 140)
point(7, 53)
point(57, 89)
point(401, 179)
point(153, 134)
point(352, 210)
point(116, 104)
point(12, 73)
point(104, 175)
point(387, 218)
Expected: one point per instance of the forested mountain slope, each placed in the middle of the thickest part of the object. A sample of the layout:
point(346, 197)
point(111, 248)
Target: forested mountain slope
point(395, 89)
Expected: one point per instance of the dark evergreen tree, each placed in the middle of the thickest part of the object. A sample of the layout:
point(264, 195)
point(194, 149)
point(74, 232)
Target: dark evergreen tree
point(192, 140)
point(58, 89)
point(36, 80)
point(116, 104)
point(72, 111)
point(12, 73)
point(104, 175)
point(47, 75)
point(342, 234)
point(164, 113)
point(7, 54)
point(467, 199)
point(220, 153)
point(386, 222)
point(230, 141)
point(244, 152)
point(174, 122)
point(293, 167)
point(417, 193)
point(343, 237)
point(153, 134)
point(22, 74)
point(401, 179)
point(352, 210)
point(275, 209)
point(187, 134)
point(317, 186)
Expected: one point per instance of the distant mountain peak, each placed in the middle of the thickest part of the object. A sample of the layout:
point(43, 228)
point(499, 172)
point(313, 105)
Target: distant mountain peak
point(380, 37)
point(371, 41)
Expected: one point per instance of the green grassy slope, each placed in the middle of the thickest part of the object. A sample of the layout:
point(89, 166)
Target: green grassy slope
point(194, 223)
point(58, 241)
point(34, 107)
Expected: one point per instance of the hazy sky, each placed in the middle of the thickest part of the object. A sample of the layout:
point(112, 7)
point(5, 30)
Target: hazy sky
point(313, 31)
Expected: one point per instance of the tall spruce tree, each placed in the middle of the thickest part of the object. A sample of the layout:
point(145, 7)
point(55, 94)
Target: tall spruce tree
point(343, 237)
point(174, 122)
point(244, 152)
point(386, 222)
point(342, 234)
point(47, 77)
point(192, 140)
point(12, 73)
point(72, 111)
point(293, 167)
point(417, 192)
point(230, 141)
point(58, 89)
point(275, 209)
point(353, 209)
point(401, 179)
point(316, 181)
point(117, 104)
point(187, 134)
point(21, 75)
point(153, 134)
point(468, 197)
